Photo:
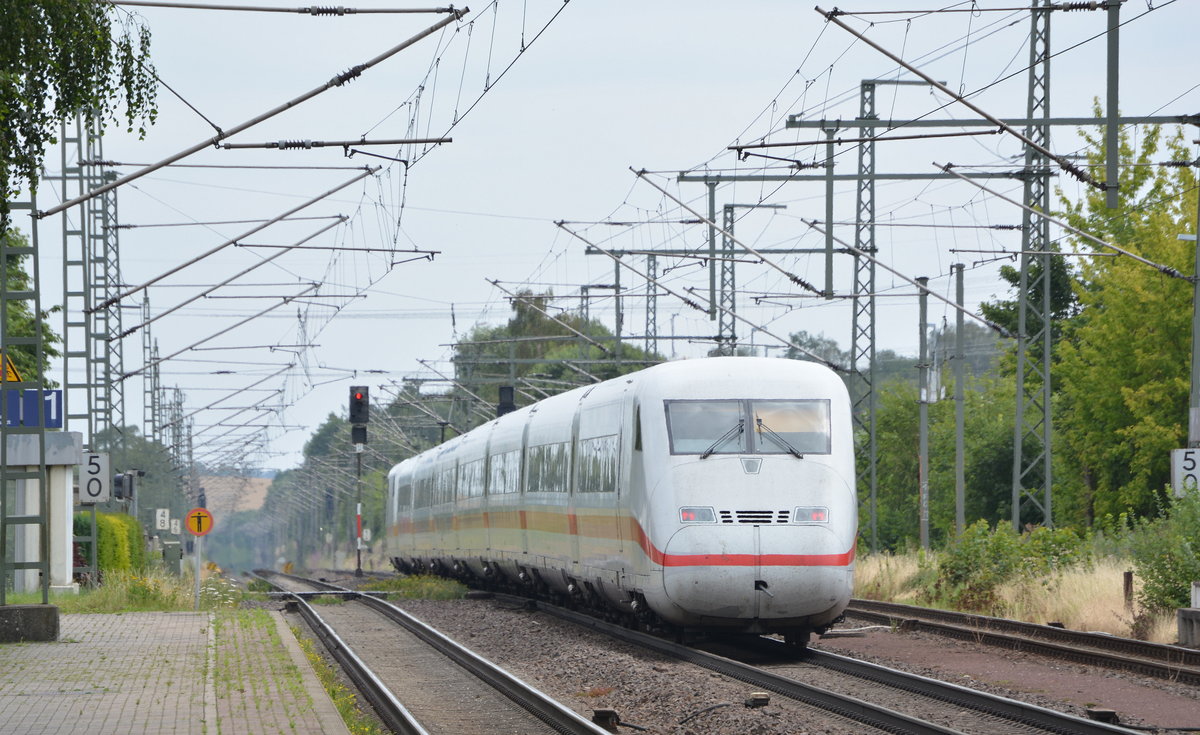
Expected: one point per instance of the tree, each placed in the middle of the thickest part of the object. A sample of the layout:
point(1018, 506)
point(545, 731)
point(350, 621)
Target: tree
point(59, 59)
point(1123, 375)
point(987, 452)
point(1064, 304)
point(21, 320)
point(819, 345)
point(507, 353)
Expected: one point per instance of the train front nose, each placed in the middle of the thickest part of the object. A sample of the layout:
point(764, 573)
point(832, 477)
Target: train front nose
point(731, 574)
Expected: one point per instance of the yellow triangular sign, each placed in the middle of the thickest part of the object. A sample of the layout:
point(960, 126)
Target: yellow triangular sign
point(10, 371)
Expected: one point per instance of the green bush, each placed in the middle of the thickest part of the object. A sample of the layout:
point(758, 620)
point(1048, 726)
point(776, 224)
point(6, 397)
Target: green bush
point(119, 541)
point(1165, 553)
point(137, 544)
point(978, 561)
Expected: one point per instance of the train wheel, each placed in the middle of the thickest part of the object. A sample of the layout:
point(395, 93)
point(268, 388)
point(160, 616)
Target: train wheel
point(798, 640)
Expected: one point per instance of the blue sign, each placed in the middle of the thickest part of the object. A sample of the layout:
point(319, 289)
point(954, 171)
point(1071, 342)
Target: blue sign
point(23, 408)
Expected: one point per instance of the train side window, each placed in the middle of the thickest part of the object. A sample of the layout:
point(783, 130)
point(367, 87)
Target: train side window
point(637, 429)
point(599, 464)
point(505, 473)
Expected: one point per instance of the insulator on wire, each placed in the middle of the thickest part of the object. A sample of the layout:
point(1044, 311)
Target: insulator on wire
point(327, 10)
point(347, 75)
point(1081, 6)
point(286, 144)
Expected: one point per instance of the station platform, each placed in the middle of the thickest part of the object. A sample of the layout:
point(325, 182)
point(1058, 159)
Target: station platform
point(178, 673)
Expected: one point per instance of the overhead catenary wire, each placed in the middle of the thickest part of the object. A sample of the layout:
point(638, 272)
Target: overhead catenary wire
point(239, 274)
point(690, 302)
point(872, 139)
point(233, 393)
point(283, 301)
point(129, 292)
point(316, 10)
point(911, 281)
point(1165, 269)
point(1062, 162)
point(222, 222)
point(290, 145)
point(336, 81)
point(643, 175)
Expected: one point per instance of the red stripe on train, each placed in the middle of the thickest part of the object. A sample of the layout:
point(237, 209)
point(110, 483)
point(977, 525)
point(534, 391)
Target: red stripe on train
point(741, 560)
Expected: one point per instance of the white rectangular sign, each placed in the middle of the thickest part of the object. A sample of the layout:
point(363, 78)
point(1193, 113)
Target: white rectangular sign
point(1185, 470)
point(175, 526)
point(162, 519)
point(95, 479)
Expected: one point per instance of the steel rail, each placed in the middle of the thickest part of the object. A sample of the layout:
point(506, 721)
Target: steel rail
point(1008, 709)
point(1174, 663)
point(394, 714)
point(546, 709)
point(983, 702)
point(843, 705)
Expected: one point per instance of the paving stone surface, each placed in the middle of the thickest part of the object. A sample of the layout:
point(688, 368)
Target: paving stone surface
point(170, 673)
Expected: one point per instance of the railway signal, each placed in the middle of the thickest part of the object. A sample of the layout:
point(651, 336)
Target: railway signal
point(360, 404)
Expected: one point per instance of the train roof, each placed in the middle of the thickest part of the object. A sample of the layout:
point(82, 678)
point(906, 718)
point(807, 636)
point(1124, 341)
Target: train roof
point(717, 377)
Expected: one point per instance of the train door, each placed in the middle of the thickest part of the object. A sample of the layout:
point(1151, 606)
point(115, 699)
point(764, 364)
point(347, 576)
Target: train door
point(518, 503)
point(572, 504)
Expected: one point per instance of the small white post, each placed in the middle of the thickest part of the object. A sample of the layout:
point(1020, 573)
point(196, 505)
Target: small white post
point(199, 553)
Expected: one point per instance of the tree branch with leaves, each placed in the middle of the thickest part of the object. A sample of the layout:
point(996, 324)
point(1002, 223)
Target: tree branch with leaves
point(59, 59)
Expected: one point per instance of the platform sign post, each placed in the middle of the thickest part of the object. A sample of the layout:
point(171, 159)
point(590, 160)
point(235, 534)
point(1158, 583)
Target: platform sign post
point(198, 522)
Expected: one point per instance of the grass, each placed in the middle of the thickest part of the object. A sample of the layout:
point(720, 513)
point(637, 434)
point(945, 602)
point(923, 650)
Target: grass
point(149, 591)
point(1087, 598)
point(357, 722)
point(419, 587)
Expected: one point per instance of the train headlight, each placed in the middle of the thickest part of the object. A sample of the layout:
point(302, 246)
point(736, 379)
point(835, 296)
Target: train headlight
point(811, 515)
point(697, 515)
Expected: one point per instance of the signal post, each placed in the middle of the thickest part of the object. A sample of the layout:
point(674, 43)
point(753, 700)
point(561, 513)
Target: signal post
point(360, 414)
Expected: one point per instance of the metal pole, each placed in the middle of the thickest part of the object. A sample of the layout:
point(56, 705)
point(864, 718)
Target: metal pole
point(358, 510)
point(829, 133)
point(712, 251)
point(619, 320)
point(960, 482)
point(923, 404)
point(199, 553)
point(1112, 149)
point(1194, 398)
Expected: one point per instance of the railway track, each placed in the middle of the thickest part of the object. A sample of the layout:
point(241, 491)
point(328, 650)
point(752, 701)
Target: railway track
point(778, 668)
point(446, 688)
point(1173, 663)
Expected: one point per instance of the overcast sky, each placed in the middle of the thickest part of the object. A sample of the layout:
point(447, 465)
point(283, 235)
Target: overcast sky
point(663, 86)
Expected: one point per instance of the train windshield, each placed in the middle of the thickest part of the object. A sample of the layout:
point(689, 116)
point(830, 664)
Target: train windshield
point(794, 427)
point(707, 427)
point(791, 426)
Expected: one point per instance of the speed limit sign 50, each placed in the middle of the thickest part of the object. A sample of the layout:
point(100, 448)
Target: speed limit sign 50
point(95, 479)
point(1185, 470)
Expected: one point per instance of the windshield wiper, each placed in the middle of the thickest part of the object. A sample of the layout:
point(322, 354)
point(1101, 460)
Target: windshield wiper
point(783, 443)
point(735, 430)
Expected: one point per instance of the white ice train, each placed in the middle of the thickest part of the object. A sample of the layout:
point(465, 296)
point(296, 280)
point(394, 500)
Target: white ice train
point(705, 494)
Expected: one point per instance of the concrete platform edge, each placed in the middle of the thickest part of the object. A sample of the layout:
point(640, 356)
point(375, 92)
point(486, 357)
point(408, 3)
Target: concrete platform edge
point(331, 720)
